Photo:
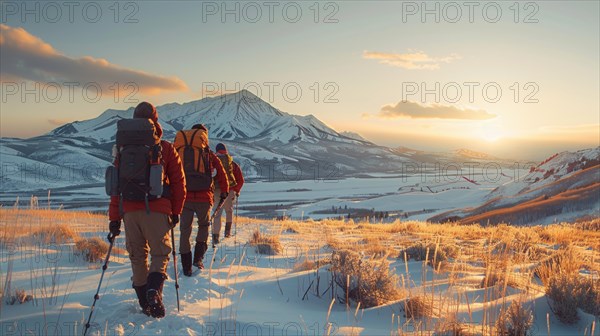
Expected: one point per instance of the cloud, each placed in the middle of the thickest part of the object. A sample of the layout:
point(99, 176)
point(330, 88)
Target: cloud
point(28, 57)
point(414, 60)
point(433, 111)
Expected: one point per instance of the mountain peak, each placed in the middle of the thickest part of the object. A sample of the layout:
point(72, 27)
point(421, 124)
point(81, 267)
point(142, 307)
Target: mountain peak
point(241, 95)
point(234, 116)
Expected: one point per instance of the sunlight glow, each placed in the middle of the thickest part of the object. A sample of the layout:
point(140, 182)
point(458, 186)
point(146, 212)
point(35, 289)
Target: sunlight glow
point(490, 133)
point(492, 136)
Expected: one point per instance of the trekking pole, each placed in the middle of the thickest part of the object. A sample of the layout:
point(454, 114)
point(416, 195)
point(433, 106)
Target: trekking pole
point(175, 268)
point(111, 239)
point(237, 201)
point(217, 209)
point(212, 218)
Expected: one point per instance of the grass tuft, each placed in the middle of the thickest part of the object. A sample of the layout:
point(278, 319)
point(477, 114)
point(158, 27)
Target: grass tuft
point(365, 281)
point(516, 320)
point(57, 234)
point(91, 249)
point(19, 296)
point(265, 244)
point(434, 253)
point(418, 306)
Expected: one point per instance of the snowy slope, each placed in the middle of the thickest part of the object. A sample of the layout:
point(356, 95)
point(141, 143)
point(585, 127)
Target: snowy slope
point(552, 169)
point(561, 186)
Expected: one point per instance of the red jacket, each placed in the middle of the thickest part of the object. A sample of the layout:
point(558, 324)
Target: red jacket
point(207, 196)
point(239, 178)
point(174, 177)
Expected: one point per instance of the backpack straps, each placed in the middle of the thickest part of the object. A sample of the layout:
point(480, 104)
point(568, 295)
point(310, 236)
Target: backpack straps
point(208, 153)
point(192, 139)
point(184, 138)
point(191, 144)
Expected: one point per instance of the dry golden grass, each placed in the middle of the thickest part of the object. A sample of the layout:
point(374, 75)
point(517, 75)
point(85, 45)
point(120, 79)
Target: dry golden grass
point(433, 253)
point(583, 234)
point(46, 225)
point(516, 320)
point(367, 282)
point(394, 227)
point(57, 234)
point(566, 260)
point(418, 306)
point(265, 244)
point(91, 249)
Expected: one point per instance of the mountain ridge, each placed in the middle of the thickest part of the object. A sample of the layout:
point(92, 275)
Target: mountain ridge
point(262, 138)
point(234, 116)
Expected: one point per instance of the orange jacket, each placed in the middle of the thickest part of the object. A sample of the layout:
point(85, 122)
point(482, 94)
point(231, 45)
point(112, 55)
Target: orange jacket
point(239, 178)
point(174, 177)
point(221, 177)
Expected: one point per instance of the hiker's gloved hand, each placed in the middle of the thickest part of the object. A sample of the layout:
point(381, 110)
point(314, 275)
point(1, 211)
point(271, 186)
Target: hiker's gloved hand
point(237, 194)
point(174, 220)
point(223, 196)
point(115, 229)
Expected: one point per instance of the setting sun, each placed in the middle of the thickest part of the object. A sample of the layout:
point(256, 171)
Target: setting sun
point(492, 136)
point(490, 133)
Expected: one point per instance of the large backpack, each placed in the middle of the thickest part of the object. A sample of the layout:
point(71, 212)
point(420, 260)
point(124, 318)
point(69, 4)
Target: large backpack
point(227, 162)
point(192, 146)
point(139, 175)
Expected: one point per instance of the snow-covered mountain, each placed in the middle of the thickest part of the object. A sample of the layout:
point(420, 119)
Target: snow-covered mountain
point(565, 186)
point(238, 116)
point(268, 143)
point(353, 135)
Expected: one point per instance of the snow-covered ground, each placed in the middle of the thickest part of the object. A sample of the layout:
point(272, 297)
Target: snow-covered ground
point(399, 195)
point(415, 196)
point(241, 293)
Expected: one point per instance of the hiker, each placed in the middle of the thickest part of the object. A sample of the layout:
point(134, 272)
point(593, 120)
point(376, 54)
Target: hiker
point(148, 218)
point(236, 180)
point(199, 163)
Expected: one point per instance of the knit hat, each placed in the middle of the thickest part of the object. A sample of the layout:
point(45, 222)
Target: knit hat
point(148, 111)
point(221, 147)
point(145, 110)
point(199, 126)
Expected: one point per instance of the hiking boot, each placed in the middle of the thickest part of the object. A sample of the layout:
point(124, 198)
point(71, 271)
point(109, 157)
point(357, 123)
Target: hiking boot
point(227, 230)
point(199, 251)
point(215, 239)
point(140, 291)
point(186, 263)
point(154, 294)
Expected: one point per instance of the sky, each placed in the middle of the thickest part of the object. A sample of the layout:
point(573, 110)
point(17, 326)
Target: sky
point(518, 80)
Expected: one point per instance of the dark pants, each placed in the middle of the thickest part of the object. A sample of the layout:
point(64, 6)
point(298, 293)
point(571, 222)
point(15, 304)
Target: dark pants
point(201, 210)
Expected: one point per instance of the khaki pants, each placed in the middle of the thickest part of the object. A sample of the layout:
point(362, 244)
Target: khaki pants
point(202, 210)
point(227, 206)
point(147, 233)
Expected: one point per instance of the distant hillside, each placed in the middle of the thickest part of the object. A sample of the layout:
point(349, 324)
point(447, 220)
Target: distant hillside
point(563, 187)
